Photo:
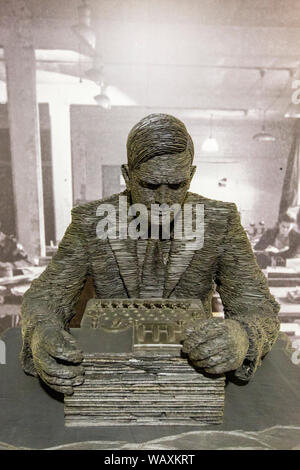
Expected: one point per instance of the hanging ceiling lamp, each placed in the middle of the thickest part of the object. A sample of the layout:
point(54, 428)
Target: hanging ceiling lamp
point(210, 144)
point(102, 99)
point(96, 74)
point(264, 136)
point(83, 28)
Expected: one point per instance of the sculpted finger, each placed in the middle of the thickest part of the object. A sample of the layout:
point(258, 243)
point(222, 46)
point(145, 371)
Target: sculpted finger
point(197, 338)
point(62, 382)
point(219, 363)
point(211, 361)
point(212, 324)
point(66, 390)
point(211, 348)
point(218, 369)
point(44, 362)
point(64, 347)
point(199, 355)
point(73, 349)
point(69, 355)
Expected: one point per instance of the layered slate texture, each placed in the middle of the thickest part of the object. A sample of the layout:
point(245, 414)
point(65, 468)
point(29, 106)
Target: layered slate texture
point(134, 370)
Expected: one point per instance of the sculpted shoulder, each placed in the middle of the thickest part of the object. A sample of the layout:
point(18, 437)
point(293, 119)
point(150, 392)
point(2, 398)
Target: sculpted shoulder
point(211, 204)
point(89, 209)
point(213, 208)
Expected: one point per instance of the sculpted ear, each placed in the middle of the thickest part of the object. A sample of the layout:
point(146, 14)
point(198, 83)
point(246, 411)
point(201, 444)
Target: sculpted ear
point(125, 173)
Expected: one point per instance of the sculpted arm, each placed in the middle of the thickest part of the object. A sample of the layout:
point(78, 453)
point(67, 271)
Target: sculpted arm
point(251, 322)
point(48, 349)
point(245, 295)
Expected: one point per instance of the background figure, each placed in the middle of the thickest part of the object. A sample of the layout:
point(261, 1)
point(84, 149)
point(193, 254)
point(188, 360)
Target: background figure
point(277, 243)
point(11, 252)
point(294, 249)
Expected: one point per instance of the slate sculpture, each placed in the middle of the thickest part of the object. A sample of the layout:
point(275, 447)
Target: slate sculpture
point(159, 171)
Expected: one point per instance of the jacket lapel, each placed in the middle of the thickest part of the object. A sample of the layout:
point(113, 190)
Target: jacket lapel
point(182, 251)
point(126, 255)
point(181, 254)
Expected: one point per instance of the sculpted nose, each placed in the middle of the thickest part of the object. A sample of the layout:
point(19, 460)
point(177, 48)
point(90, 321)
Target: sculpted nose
point(161, 194)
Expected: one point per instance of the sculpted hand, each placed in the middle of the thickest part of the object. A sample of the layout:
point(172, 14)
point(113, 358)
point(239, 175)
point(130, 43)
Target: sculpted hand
point(216, 345)
point(56, 358)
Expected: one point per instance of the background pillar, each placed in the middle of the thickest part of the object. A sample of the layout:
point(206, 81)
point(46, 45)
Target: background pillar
point(61, 165)
point(25, 133)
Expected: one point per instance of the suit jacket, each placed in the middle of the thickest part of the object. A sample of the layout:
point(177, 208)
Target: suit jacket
point(225, 258)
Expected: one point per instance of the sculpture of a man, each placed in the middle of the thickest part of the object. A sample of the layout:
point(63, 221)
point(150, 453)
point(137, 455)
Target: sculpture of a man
point(159, 171)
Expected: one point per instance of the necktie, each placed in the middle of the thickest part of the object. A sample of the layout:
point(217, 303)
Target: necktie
point(153, 274)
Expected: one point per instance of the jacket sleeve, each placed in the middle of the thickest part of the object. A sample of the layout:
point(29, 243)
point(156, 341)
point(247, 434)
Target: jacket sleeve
point(52, 297)
point(245, 294)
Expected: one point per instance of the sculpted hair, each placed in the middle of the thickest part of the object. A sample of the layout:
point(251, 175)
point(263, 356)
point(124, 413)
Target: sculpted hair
point(157, 134)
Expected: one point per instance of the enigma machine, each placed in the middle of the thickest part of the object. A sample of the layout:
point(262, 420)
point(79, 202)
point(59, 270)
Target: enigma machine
point(134, 370)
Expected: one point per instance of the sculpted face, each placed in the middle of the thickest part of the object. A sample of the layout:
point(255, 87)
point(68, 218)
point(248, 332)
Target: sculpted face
point(164, 179)
point(160, 153)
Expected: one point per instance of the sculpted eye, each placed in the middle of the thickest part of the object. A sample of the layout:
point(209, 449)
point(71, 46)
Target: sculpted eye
point(147, 185)
point(177, 185)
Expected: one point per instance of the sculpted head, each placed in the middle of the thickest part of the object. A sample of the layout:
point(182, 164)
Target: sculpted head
point(160, 155)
